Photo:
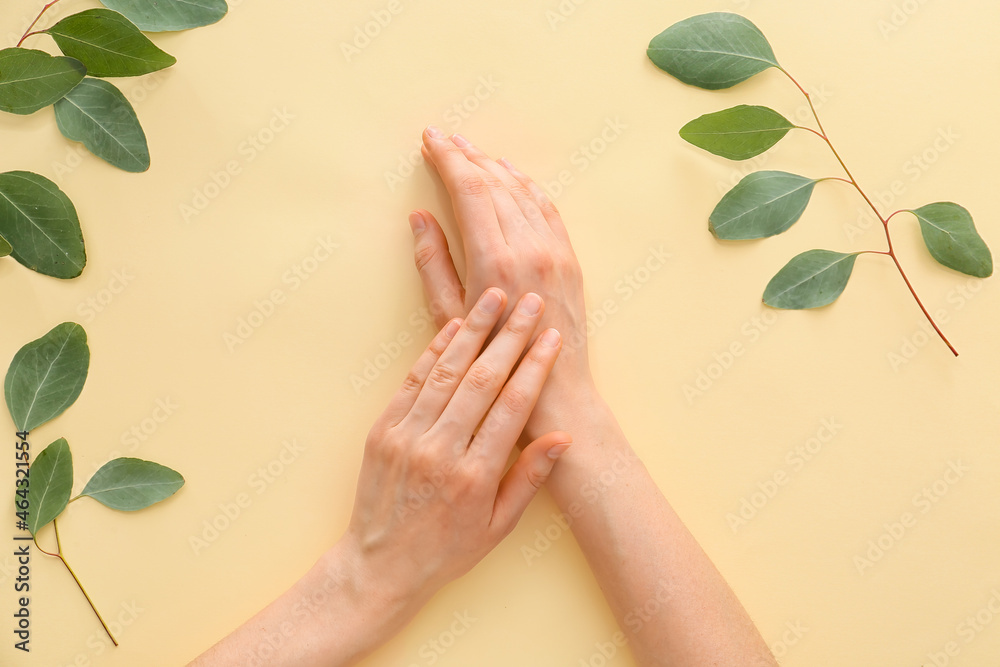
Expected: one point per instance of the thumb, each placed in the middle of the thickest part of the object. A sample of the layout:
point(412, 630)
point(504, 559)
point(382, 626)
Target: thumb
point(530, 471)
point(437, 269)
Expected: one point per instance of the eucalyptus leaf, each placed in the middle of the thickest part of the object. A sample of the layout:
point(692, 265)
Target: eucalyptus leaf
point(108, 44)
point(739, 133)
point(163, 15)
point(132, 484)
point(51, 483)
point(763, 204)
point(46, 376)
point(712, 51)
point(951, 237)
point(39, 220)
point(810, 280)
point(5, 247)
point(97, 114)
point(31, 80)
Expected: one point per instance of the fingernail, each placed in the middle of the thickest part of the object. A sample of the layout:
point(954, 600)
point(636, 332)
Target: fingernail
point(452, 328)
point(530, 304)
point(506, 163)
point(417, 223)
point(550, 338)
point(460, 140)
point(558, 450)
point(435, 132)
point(490, 303)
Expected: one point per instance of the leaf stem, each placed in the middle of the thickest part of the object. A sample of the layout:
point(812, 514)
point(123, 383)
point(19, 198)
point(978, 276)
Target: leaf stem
point(83, 590)
point(885, 221)
point(28, 33)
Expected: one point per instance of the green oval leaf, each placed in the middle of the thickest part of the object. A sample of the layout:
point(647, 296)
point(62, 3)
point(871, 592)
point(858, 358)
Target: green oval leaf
point(810, 280)
point(763, 204)
point(739, 133)
point(712, 51)
point(108, 44)
point(31, 80)
point(50, 484)
point(951, 237)
point(163, 15)
point(5, 248)
point(46, 376)
point(40, 222)
point(132, 484)
point(97, 114)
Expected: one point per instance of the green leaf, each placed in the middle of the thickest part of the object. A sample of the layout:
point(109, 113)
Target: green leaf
point(40, 222)
point(5, 248)
point(97, 114)
point(50, 485)
point(132, 484)
point(952, 239)
point(763, 204)
point(811, 280)
point(31, 80)
point(161, 15)
point(739, 133)
point(108, 44)
point(712, 51)
point(46, 376)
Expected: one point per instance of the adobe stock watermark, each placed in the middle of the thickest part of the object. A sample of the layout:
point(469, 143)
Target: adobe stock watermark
point(264, 308)
point(97, 303)
point(258, 482)
point(556, 16)
point(97, 642)
point(454, 116)
point(967, 630)
point(791, 635)
point(434, 648)
point(589, 493)
point(795, 460)
point(723, 360)
point(586, 153)
point(913, 169)
point(364, 34)
point(246, 152)
point(922, 502)
point(911, 345)
point(900, 15)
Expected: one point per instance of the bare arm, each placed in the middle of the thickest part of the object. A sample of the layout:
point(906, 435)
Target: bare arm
point(434, 495)
point(668, 597)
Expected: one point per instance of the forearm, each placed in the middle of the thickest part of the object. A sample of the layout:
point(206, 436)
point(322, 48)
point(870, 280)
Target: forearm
point(668, 597)
point(332, 617)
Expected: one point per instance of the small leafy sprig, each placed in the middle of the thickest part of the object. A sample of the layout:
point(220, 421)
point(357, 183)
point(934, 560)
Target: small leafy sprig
point(39, 226)
point(719, 50)
point(45, 377)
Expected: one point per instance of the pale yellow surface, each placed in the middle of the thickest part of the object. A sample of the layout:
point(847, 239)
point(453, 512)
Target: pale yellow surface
point(535, 92)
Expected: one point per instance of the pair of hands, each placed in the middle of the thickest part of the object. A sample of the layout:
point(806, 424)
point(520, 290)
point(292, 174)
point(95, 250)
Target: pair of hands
point(433, 496)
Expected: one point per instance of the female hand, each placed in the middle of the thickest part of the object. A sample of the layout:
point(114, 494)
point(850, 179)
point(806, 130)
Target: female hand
point(514, 239)
point(432, 496)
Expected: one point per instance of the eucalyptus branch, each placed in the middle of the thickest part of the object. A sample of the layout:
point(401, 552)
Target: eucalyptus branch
point(719, 50)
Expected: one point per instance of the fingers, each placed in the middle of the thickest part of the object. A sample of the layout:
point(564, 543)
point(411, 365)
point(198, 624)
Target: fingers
point(541, 200)
point(436, 268)
point(403, 400)
point(510, 411)
point(451, 367)
point(469, 193)
point(486, 378)
point(530, 471)
point(515, 190)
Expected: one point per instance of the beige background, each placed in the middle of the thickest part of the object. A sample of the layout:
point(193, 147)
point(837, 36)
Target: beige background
point(330, 128)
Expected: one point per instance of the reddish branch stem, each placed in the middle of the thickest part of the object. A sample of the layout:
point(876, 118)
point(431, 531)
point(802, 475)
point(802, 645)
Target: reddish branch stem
point(28, 33)
point(885, 221)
